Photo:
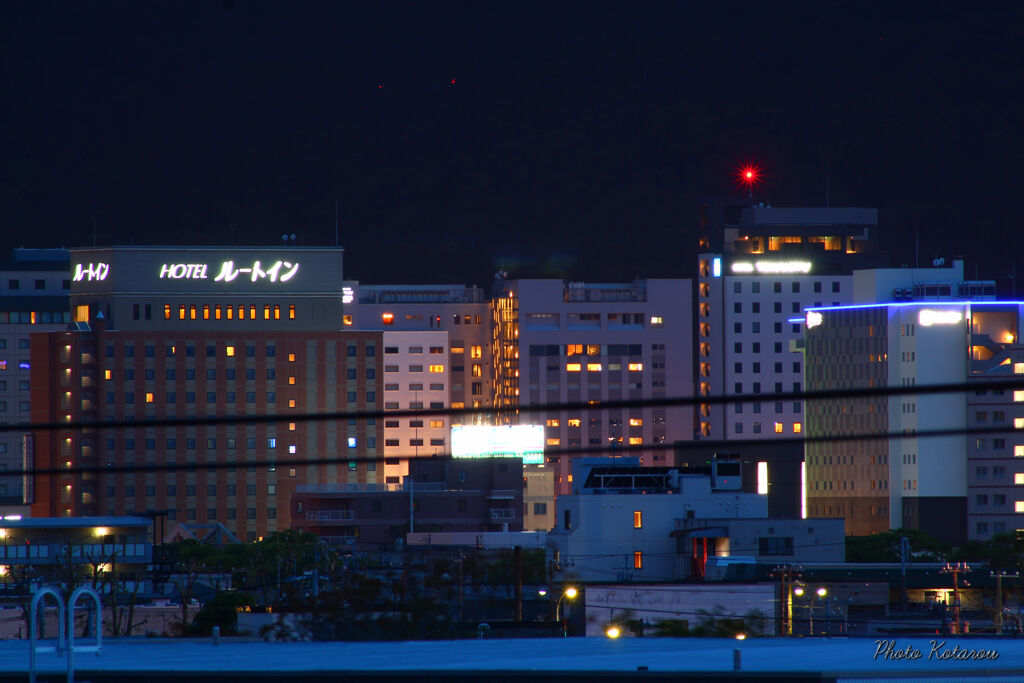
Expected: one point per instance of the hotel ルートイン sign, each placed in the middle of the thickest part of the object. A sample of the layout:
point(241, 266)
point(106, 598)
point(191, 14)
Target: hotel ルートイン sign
point(226, 271)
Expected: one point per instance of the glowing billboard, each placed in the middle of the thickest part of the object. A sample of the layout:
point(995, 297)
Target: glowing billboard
point(507, 441)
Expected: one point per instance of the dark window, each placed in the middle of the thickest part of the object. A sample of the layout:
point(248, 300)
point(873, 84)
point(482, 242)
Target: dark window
point(775, 545)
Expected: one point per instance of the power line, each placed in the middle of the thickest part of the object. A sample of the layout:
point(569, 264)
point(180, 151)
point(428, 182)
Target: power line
point(548, 452)
point(822, 395)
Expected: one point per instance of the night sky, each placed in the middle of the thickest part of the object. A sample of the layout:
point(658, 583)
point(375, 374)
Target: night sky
point(577, 140)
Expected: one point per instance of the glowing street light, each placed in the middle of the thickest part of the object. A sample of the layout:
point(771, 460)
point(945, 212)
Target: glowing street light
point(569, 593)
point(613, 632)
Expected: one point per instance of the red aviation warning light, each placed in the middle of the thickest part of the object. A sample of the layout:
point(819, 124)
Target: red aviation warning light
point(749, 176)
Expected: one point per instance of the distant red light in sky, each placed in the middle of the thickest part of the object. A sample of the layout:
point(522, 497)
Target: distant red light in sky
point(453, 81)
point(749, 176)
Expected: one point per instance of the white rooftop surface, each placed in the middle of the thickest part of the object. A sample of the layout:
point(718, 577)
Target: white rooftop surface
point(837, 655)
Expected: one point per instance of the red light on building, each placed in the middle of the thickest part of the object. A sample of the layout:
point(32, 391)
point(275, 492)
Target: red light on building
point(749, 176)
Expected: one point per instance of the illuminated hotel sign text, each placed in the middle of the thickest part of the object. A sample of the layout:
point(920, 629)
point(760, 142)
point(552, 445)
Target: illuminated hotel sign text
point(91, 271)
point(928, 317)
point(772, 267)
point(279, 271)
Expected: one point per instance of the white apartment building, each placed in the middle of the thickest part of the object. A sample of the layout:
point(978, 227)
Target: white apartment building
point(34, 289)
point(464, 312)
point(581, 343)
point(416, 377)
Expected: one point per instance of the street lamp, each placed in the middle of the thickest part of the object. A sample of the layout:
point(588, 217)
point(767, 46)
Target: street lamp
point(569, 593)
point(819, 593)
point(613, 632)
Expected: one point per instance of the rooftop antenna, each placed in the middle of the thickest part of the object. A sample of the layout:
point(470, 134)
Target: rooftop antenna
point(749, 175)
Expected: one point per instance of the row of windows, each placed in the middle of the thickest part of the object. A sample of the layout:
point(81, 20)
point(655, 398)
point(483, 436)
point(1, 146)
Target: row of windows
point(755, 368)
point(231, 397)
point(414, 405)
point(596, 422)
point(232, 513)
point(39, 284)
point(415, 386)
point(22, 405)
point(756, 387)
point(415, 424)
point(755, 347)
point(755, 287)
point(34, 317)
point(22, 343)
point(230, 351)
point(394, 443)
point(219, 312)
point(419, 368)
point(598, 367)
point(737, 328)
point(212, 490)
point(590, 349)
point(777, 427)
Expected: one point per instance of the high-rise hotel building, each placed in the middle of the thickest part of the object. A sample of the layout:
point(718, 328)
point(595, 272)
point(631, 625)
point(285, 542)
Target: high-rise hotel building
point(956, 486)
point(194, 333)
point(583, 343)
point(758, 268)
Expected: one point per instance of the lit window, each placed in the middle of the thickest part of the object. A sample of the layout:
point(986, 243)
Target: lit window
point(216, 312)
point(206, 312)
point(1018, 506)
point(291, 312)
point(291, 379)
point(1018, 396)
point(351, 442)
point(1018, 478)
point(291, 403)
point(231, 313)
point(573, 422)
point(291, 357)
point(797, 428)
point(229, 351)
point(778, 427)
point(574, 349)
point(387, 318)
point(436, 368)
point(192, 312)
point(181, 312)
point(552, 423)
point(437, 424)
point(573, 367)
point(291, 426)
point(149, 397)
point(266, 311)
point(1018, 368)
point(476, 351)
point(1018, 451)
point(167, 311)
point(593, 367)
point(635, 441)
point(1018, 423)
point(106, 374)
point(636, 422)
point(762, 478)
point(638, 519)
point(554, 442)
point(346, 319)
point(657, 320)
point(638, 560)
point(636, 367)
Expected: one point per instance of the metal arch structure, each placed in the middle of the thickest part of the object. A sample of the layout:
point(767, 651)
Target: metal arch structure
point(33, 648)
point(98, 646)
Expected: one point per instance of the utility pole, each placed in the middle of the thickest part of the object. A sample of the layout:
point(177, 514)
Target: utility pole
point(955, 570)
point(517, 554)
point(786, 573)
point(1000, 575)
point(904, 556)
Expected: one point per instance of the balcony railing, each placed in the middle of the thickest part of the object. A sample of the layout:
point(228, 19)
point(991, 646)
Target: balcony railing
point(329, 515)
point(339, 540)
point(501, 513)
